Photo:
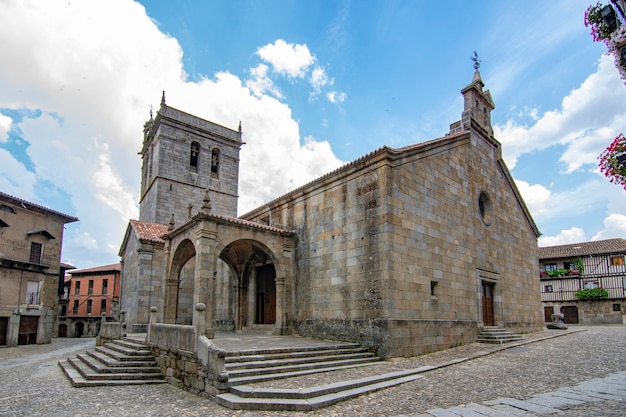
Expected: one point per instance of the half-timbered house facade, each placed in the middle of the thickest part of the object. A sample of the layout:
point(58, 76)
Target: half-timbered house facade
point(567, 269)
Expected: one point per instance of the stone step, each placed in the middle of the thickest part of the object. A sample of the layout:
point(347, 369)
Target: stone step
point(497, 335)
point(125, 349)
point(307, 399)
point(271, 370)
point(291, 350)
point(112, 362)
point(312, 357)
point(263, 377)
point(248, 356)
point(101, 367)
point(117, 363)
point(90, 374)
point(78, 380)
point(124, 357)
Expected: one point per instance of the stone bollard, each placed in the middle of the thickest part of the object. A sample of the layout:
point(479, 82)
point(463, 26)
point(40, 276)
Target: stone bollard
point(153, 319)
point(200, 324)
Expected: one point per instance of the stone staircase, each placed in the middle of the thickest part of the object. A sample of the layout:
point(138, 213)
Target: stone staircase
point(257, 366)
point(496, 335)
point(121, 362)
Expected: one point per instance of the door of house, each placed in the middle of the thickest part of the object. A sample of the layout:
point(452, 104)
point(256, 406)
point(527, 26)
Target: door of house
point(487, 298)
point(62, 330)
point(547, 314)
point(28, 330)
point(4, 327)
point(266, 294)
point(570, 314)
point(79, 329)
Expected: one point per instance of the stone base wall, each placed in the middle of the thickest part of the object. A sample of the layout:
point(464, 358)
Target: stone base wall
point(180, 367)
point(596, 311)
point(393, 338)
point(396, 338)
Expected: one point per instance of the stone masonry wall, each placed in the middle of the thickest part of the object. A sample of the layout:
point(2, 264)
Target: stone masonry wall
point(392, 252)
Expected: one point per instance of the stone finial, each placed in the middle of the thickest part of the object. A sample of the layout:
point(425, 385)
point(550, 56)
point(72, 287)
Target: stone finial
point(206, 202)
point(171, 225)
point(240, 131)
point(163, 98)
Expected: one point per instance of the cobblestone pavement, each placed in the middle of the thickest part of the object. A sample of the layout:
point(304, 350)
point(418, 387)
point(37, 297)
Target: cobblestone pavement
point(32, 384)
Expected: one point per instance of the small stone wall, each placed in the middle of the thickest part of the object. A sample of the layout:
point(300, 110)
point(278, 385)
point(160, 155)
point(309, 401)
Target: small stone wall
point(175, 336)
point(174, 349)
point(596, 311)
point(110, 331)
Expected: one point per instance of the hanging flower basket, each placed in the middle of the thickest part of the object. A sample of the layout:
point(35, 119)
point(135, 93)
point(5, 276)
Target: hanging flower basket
point(613, 161)
point(615, 44)
point(594, 20)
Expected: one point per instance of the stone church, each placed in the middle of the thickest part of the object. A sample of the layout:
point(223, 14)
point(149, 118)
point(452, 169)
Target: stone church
point(406, 251)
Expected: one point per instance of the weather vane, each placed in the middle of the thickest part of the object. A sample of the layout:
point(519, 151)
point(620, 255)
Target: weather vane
point(476, 61)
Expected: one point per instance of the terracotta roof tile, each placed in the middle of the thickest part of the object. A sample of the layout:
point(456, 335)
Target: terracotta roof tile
point(102, 268)
point(596, 247)
point(150, 232)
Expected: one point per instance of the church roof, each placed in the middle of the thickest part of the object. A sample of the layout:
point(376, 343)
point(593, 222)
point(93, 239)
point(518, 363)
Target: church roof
point(232, 220)
point(596, 247)
point(148, 232)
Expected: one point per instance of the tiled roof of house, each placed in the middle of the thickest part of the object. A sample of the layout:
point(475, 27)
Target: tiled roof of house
point(25, 203)
point(103, 268)
point(584, 248)
point(150, 232)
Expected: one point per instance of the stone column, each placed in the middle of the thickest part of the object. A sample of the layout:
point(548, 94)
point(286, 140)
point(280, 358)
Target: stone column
point(281, 318)
point(204, 277)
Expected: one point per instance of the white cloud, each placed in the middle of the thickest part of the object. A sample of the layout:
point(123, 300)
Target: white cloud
point(5, 126)
point(319, 78)
point(573, 235)
point(614, 226)
point(536, 197)
point(290, 59)
point(336, 98)
point(110, 189)
point(589, 117)
point(89, 89)
point(260, 83)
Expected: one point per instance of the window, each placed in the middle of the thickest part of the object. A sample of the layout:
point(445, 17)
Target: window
point(485, 208)
point(215, 161)
point(550, 267)
point(547, 288)
point(75, 308)
point(433, 285)
point(90, 287)
point(590, 284)
point(77, 288)
point(32, 292)
point(194, 154)
point(617, 307)
point(105, 285)
point(617, 260)
point(63, 310)
point(103, 306)
point(89, 304)
point(35, 252)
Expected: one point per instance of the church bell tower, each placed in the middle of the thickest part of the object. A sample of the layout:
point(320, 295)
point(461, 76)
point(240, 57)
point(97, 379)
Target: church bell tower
point(183, 157)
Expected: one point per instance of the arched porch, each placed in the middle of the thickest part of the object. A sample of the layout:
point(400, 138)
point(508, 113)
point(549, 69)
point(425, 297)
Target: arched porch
point(240, 270)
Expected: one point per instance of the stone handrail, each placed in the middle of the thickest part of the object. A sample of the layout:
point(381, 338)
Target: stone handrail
point(213, 361)
point(172, 336)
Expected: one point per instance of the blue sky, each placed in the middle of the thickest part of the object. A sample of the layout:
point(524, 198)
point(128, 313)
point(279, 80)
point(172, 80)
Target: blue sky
point(315, 84)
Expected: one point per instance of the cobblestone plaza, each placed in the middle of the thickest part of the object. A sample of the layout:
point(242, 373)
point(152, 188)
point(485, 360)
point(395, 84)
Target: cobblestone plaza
point(33, 384)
